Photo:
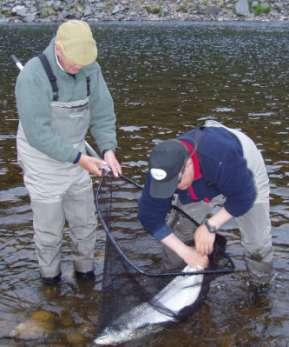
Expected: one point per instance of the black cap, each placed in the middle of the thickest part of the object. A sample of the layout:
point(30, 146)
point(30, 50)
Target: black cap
point(165, 163)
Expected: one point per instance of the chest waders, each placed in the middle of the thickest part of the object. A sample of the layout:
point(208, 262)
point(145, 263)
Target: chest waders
point(255, 225)
point(60, 191)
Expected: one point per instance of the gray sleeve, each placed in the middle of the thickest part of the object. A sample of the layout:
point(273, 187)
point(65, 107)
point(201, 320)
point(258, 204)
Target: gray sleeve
point(103, 119)
point(33, 105)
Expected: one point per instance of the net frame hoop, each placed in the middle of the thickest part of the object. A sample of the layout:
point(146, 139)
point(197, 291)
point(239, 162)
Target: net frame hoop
point(97, 192)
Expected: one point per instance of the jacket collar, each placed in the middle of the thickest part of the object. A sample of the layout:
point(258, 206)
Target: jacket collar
point(195, 159)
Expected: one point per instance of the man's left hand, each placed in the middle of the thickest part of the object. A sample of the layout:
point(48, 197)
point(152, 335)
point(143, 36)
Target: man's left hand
point(204, 240)
point(112, 162)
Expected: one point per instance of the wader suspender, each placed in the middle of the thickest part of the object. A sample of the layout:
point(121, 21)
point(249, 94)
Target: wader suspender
point(52, 78)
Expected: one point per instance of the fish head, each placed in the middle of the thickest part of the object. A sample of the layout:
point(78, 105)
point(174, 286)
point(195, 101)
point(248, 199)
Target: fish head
point(111, 336)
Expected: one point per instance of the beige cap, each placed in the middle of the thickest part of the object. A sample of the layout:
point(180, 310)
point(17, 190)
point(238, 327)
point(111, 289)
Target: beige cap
point(76, 41)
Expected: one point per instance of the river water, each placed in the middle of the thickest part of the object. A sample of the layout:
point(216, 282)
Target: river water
point(165, 78)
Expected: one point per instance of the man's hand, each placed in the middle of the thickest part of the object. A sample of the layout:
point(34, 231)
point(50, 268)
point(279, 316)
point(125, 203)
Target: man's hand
point(91, 164)
point(193, 258)
point(204, 240)
point(188, 254)
point(112, 162)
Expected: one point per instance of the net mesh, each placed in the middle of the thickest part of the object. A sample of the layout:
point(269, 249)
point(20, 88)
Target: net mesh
point(123, 288)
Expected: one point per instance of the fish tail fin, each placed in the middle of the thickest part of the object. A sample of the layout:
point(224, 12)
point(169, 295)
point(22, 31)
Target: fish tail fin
point(218, 252)
point(218, 259)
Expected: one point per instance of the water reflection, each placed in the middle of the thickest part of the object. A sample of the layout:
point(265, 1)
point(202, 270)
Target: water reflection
point(165, 78)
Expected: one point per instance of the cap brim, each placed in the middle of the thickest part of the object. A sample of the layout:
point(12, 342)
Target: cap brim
point(163, 190)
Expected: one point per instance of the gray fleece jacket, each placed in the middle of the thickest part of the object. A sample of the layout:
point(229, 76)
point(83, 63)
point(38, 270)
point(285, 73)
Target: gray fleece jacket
point(34, 96)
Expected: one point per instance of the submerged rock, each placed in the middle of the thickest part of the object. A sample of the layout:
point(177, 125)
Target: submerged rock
point(39, 326)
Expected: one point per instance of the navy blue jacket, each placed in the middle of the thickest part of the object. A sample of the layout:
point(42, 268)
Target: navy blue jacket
point(223, 171)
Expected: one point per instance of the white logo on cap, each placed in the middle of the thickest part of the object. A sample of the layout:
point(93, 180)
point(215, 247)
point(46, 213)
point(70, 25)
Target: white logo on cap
point(158, 174)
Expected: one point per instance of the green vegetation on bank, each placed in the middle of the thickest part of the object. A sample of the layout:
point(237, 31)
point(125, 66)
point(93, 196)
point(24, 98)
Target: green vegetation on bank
point(260, 8)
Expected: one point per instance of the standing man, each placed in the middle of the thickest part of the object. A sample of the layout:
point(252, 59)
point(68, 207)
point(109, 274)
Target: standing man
point(60, 95)
point(200, 165)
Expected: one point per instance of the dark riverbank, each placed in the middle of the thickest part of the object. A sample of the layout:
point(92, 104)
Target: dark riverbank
point(30, 11)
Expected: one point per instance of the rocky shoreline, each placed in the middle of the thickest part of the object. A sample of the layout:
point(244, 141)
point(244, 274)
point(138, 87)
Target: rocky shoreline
point(35, 11)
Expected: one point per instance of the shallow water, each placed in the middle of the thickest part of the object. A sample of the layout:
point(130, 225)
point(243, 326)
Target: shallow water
point(164, 78)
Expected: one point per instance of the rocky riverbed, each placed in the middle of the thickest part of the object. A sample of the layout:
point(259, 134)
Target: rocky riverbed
point(30, 11)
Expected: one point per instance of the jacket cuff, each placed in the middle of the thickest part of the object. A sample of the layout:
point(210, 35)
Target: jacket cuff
point(77, 158)
point(162, 232)
point(106, 150)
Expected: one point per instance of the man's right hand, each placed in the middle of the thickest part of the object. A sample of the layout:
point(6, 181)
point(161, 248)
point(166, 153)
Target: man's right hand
point(91, 164)
point(193, 258)
point(187, 253)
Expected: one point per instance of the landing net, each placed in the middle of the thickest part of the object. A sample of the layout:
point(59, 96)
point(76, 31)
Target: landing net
point(134, 268)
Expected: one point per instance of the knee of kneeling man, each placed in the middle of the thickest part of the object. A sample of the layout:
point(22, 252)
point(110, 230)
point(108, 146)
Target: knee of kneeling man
point(260, 254)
